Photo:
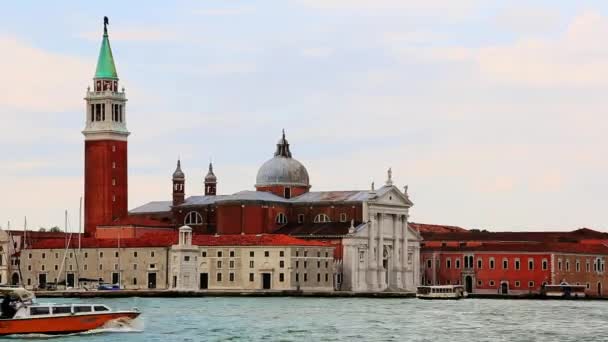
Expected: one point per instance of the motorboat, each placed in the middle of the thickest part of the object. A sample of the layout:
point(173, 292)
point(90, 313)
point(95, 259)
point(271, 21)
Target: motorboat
point(441, 292)
point(564, 290)
point(22, 315)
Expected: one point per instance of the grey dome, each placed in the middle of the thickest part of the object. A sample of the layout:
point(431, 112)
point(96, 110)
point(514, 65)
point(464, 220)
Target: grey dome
point(282, 171)
point(179, 174)
point(210, 177)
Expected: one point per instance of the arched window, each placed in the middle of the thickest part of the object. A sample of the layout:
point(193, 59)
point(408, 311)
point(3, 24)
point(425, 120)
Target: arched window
point(281, 219)
point(193, 218)
point(322, 218)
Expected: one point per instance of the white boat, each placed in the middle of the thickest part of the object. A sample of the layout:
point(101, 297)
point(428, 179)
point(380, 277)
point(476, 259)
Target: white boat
point(564, 290)
point(441, 292)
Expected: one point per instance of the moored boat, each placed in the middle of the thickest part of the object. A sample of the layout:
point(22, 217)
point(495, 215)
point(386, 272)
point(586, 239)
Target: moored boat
point(21, 315)
point(441, 292)
point(564, 290)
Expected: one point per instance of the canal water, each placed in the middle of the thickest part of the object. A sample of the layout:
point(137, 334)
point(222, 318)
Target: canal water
point(350, 319)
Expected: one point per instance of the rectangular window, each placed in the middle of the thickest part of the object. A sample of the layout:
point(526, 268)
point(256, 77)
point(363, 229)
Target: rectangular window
point(530, 284)
point(135, 254)
point(429, 263)
point(297, 264)
point(491, 264)
point(297, 277)
point(559, 264)
point(326, 277)
point(448, 263)
point(103, 112)
point(219, 264)
point(281, 277)
point(305, 277)
point(152, 254)
point(266, 254)
point(530, 264)
point(305, 264)
point(231, 263)
point(204, 254)
point(546, 265)
point(300, 218)
point(505, 264)
point(250, 276)
point(281, 264)
point(219, 277)
point(219, 254)
point(152, 266)
point(479, 263)
point(251, 254)
point(251, 264)
point(232, 254)
point(186, 258)
point(134, 281)
point(231, 276)
point(457, 263)
point(135, 266)
point(281, 254)
point(318, 277)
point(517, 264)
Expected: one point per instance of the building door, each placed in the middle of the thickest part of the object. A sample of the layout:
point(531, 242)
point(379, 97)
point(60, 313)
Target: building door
point(504, 288)
point(204, 281)
point(115, 278)
point(15, 280)
point(70, 280)
point(468, 284)
point(42, 280)
point(266, 281)
point(152, 280)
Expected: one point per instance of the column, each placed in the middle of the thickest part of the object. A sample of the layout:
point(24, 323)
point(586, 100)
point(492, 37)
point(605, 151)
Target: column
point(403, 243)
point(381, 271)
point(396, 271)
point(372, 278)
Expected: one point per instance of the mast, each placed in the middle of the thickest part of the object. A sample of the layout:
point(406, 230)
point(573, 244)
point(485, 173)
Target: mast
point(79, 224)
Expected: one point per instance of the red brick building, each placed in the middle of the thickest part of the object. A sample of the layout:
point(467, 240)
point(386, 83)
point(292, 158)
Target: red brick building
point(513, 262)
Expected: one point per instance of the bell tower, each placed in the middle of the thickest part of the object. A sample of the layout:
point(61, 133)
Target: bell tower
point(210, 182)
point(179, 180)
point(105, 144)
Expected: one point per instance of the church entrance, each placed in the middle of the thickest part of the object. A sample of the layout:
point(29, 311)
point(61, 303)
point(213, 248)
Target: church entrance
point(204, 281)
point(468, 284)
point(266, 281)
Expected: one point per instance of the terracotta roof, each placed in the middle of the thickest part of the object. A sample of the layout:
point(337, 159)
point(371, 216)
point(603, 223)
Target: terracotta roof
point(536, 247)
point(471, 235)
point(140, 221)
point(435, 228)
point(254, 240)
point(166, 239)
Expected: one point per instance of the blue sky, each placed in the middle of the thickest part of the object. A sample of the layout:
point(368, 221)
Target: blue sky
point(493, 112)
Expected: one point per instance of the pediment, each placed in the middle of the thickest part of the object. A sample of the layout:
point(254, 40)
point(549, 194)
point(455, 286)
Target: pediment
point(392, 196)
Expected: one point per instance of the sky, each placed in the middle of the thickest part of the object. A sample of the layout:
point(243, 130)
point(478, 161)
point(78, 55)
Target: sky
point(494, 113)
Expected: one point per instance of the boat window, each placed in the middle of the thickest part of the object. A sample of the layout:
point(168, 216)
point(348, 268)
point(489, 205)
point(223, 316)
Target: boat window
point(82, 308)
point(39, 310)
point(61, 310)
point(101, 308)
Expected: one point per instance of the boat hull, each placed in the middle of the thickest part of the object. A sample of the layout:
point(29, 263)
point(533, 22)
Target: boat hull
point(57, 325)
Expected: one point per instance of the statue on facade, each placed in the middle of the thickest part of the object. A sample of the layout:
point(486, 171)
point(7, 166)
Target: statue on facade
point(106, 22)
point(389, 180)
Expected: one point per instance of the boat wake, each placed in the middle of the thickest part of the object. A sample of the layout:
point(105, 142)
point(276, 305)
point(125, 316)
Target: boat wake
point(115, 326)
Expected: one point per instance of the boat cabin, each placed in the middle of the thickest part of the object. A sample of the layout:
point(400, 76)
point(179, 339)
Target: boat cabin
point(565, 290)
point(60, 309)
point(441, 292)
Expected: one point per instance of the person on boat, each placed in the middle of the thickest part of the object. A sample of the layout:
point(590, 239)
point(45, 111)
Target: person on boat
point(8, 306)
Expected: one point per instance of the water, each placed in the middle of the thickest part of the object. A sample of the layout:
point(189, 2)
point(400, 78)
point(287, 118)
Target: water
point(351, 319)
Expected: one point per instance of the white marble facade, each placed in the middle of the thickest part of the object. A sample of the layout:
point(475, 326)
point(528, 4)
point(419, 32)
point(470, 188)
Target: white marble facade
point(384, 252)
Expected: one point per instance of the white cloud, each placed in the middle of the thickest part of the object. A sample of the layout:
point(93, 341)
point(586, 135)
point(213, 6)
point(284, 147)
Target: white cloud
point(36, 79)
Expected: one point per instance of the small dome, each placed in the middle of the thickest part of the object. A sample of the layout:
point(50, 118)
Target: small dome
point(282, 169)
point(179, 174)
point(210, 177)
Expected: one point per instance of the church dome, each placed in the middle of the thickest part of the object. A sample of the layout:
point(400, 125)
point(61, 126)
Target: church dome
point(282, 169)
point(179, 174)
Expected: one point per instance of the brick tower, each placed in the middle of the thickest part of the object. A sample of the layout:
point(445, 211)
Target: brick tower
point(105, 145)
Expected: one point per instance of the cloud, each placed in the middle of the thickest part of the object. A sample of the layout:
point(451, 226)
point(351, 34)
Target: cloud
point(40, 80)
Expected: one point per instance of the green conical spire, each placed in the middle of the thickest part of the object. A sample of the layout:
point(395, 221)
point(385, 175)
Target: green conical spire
point(105, 62)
